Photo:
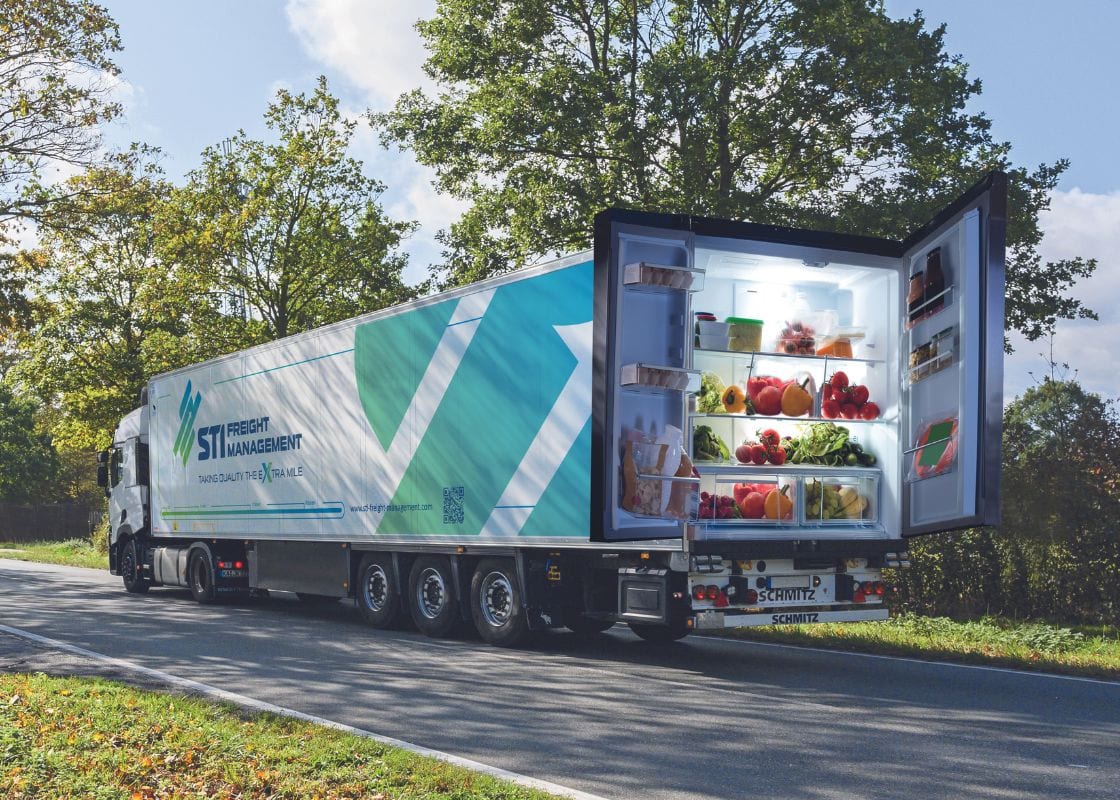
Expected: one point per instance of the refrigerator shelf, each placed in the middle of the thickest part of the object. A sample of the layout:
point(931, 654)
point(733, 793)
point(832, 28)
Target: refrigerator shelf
point(780, 418)
point(925, 311)
point(794, 356)
point(650, 277)
point(746, 471)
point(824, 498)
point(657, 378)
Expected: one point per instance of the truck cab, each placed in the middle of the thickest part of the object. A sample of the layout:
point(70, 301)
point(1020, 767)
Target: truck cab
point(124, 474)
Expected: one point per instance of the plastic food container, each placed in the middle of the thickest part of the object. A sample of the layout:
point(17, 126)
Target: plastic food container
point(745, 334)
point(713, 328)
point(711, 342)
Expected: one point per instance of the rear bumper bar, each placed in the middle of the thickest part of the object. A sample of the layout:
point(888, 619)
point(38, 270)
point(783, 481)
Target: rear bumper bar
point(712, 620)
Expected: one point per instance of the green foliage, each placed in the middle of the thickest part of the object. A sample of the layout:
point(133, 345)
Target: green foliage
point(83, 737)
point(29, 465)
point(1056, 554)
point(99, 295)
point(278, 238)
point(819, 113)
point(56, 76)
point(988, 640)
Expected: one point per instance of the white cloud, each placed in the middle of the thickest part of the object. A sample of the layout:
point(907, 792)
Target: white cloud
point(373, 45)
point(1079, 224)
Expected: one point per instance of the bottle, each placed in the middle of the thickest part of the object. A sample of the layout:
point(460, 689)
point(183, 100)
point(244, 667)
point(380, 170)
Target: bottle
point(935, 281)
point(916, 296)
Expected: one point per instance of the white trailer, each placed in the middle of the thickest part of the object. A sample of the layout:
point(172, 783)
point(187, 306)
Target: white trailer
point(522, 452)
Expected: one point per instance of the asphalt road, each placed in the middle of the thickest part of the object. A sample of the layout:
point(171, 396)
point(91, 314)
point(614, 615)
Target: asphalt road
point(613, 715)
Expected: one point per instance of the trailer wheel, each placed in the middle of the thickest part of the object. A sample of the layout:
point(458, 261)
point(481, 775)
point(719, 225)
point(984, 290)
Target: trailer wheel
point(377, 597)
point(130, 569)
point(660, 633)
point(431, 590)
point(200, 576)
point(496, 606)
point(585, 625)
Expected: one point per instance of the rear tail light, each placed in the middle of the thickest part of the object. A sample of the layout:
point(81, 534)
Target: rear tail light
point(699, 592)
point(223, 565)
point(880, 588)
point(858, 597)
point(239, 565)
point(712, 592)
point(752, 596)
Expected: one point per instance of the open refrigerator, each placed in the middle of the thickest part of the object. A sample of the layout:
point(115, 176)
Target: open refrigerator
point(696, 306)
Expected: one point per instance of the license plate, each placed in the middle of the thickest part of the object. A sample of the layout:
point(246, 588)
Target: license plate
point(789, 582)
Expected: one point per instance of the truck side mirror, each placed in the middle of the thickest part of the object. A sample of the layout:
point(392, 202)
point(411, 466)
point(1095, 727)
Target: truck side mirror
point(103, 457)
point(103, 475)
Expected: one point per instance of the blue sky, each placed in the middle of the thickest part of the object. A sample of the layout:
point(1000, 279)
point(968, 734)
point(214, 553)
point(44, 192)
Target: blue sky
point(197, 72)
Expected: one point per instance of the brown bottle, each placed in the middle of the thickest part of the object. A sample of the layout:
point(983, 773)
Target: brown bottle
point(916, 295)
point(935, 280)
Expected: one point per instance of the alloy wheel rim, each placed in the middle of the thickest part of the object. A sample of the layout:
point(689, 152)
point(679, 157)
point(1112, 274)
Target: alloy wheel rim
point(431, 593)
point(497, 599)
point(377, 589)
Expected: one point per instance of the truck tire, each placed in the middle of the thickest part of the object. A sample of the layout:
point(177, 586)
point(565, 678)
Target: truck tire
point(130, 569)
point(499, 614)
point(376, 592)
point(200, 576)
point(431, 596)
point(578, 622)
point(660, 633)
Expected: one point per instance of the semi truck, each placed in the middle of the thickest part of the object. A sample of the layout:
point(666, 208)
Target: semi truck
point(596, 439)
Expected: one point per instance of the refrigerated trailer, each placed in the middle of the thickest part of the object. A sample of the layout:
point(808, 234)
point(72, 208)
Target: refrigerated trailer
point(535, 450)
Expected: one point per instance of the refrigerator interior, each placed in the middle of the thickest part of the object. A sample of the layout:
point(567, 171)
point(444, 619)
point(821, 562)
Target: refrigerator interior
point(823, 293)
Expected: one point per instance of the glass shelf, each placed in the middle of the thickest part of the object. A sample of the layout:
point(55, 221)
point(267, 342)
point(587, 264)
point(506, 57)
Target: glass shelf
point(805, 358)
point(657, 378)
point(780, 418)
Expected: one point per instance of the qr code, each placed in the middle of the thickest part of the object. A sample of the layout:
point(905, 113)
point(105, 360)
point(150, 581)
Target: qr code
point(452, 505)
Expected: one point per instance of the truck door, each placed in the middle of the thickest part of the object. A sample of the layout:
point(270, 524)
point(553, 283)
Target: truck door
point(952, 290)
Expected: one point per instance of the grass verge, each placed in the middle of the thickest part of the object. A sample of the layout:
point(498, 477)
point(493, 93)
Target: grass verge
point(71, 553)
point(82, 737)
point(990, 641)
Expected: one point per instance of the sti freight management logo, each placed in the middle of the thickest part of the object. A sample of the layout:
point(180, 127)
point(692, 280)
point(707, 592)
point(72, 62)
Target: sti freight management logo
point(188, 412)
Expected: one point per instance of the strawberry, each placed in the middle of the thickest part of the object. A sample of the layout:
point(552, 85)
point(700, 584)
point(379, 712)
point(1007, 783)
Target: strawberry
point(849, 411)
point(859, 394)
point(839, 380)
point(869, 411)
point(830, 409)
point(778, 456)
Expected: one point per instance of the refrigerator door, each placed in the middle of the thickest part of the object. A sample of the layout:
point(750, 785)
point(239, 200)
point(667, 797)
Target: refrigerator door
point(644, 274)
point(952, 364)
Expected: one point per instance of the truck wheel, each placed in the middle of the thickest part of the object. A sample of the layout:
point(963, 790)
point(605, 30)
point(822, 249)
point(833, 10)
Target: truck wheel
point(131, 573)
point(377, 597)
point(496, 606)
point(660, 633)
point(584, 625)
point(200, 576)
point(431, 590)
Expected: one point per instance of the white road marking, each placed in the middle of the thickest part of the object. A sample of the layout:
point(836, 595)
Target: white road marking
point(931, 663)
point(260, 705)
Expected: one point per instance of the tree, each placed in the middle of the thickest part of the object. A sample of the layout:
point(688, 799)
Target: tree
point(104, 314)
point(29, 465)
point(56, 76)
point(288, 233)
point(1057, 552)
point(821, 113)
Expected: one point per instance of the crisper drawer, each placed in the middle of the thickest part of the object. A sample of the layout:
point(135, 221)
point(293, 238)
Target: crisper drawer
point(737, 498)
